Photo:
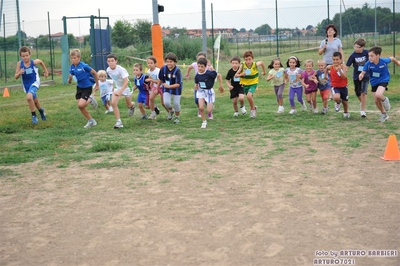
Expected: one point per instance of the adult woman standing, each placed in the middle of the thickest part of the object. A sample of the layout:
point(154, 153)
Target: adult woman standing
point(331, 44)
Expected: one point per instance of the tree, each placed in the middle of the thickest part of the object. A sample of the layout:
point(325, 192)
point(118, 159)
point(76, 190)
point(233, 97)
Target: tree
point(178, 31)
point(72, 42)
point(122, 34)
point(264, 29)
point(242, 30)
point(142, 31)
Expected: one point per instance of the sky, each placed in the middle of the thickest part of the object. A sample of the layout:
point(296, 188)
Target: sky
point(248, 14)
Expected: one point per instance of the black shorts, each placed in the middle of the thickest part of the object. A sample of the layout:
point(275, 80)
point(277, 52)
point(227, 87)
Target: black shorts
point(236, 91)
point(83, 93)
point(383, 84)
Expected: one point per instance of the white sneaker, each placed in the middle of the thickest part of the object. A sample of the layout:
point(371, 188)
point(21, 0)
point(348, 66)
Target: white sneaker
point(324, 111)
point(293, 111)
point(304, 106)
point(204, 124)
point(235, 114)
point(253, 113)
point(363, 114)
point(93, 102)
point(90, 123)
point(384, 117)
point(131, 110)
point(280, 109)
point(118, 125)
point(315, 111)
point(152, 116)
point(337, 106)
point(386, 104)
point(243, 109)
point(346, 115)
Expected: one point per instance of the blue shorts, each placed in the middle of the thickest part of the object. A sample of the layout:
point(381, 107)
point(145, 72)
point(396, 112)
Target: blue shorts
point(32, 90)
point(142, 96)
point(105, 98)
point(344, 93)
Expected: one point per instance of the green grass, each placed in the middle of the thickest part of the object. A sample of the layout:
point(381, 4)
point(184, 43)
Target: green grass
point(62, 140)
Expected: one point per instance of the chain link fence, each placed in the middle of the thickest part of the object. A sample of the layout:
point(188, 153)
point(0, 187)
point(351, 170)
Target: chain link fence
point(299, 28)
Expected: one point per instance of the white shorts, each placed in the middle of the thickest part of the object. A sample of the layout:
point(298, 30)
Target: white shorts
point(207, 95)
point(127, 92)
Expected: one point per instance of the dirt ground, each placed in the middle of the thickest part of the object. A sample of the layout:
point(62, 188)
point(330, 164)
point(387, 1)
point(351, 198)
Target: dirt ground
point(239, 209)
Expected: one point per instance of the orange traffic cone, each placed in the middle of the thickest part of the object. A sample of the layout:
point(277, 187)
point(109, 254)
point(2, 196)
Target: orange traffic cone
point(392, 150)
point(6, 93)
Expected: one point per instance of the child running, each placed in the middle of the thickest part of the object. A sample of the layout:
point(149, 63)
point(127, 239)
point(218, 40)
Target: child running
point(358, 59)
point(27, 68)
point(170, 77)
point(153, 72)
point(310, 84)
point(339, 82)
point(324, 85)
point(378, 69)
point(248, 73)
point(204, 81)
point(123, 88)
point(293, 75)
point(106, 89)
point(85, 78)
point(276, 76)
point(142, 84)
point(236, 89)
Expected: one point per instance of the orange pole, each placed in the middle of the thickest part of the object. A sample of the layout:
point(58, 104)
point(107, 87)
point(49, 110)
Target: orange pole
point(157, 44)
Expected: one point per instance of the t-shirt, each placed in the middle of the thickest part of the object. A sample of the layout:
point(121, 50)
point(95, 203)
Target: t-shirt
point(205, 80)
point(171, 76)
point(336, 80)
point(312, 86)
point(332, 47)
point(235, 82)
point(279, 76)
point(358, 61)
point(378, 73)
point(323, 82)
point(292, 74)
point(154, 75)
point(118, 74)
point(31, 75)
point(141, 83)
point(106, 87)
point(251, 76)
point(82, 74)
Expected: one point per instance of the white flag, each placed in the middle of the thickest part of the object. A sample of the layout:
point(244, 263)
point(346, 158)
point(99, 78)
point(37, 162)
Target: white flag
point(217, 43)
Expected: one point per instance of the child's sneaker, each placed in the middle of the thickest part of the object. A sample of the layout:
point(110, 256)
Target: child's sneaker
point(337, 106)
point(235, 114)
point(90, 123)
point(363, 114)
point(315, 111)
point(386, 104)
point(280, 109)
point(324, 111)
point(176, 120)
point(34, 120)
point(293, 111)
point(210, 116)
point(243, 109)
point(253, 113)
point(93, 102)
point(346, 115)
point(118, 125)
point(170, 114)
point(43, 115)
point(304, 106)
point(384, 117)
point(110, 109)
point(144, 117)
point(204, 124)
point(156, 109)
point(131, 110)
point(152, 116)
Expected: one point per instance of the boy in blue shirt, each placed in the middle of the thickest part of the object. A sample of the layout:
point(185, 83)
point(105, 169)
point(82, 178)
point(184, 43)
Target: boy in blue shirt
point(31, 81)
point(378, 70)
point(85, 78)
point(204, 82)
point(142, 84)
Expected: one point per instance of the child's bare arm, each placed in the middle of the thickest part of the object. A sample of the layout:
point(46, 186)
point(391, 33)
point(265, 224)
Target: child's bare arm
point(18, 71)
point(394, 60)
point(40, 62)
point(261, 63)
